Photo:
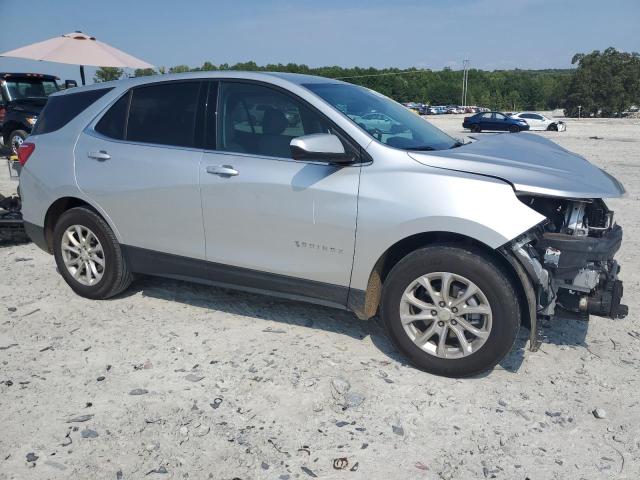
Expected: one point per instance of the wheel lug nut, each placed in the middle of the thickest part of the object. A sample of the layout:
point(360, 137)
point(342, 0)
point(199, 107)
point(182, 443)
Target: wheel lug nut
point(442, 304)
point(441, 323)
point(453, 322)
point(454, 310)
point(434, 313)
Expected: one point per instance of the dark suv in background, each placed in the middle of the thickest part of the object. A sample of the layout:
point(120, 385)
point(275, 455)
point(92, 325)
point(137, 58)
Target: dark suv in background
point(22, 98)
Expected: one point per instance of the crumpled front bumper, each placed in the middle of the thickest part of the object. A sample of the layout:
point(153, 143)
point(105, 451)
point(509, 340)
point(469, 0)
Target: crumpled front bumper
point(573, 273)
point(584, 271)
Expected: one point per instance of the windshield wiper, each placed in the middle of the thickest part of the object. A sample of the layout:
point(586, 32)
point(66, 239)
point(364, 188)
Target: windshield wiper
point(421, 147)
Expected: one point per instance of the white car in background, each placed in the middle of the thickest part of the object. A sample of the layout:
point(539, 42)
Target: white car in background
point(537, 121)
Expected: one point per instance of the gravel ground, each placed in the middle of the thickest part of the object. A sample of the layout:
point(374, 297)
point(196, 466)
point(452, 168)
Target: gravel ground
point(175, 380)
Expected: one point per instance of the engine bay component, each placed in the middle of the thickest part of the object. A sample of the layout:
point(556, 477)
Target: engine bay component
point(570, 258)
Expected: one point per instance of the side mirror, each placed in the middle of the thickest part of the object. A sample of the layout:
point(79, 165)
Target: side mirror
point(70, 84)
point(319, 146)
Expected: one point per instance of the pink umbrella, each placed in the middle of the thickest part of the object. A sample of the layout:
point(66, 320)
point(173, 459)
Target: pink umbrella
point(80, 49)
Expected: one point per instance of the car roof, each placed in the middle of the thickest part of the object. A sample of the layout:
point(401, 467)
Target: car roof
point(268, 77)
point(7, 75)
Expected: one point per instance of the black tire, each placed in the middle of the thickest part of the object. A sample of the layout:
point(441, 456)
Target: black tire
point(480, 269)
point(553, 127)
point(475, 128)
point(13, 140)
point(514, 129)
point(116, 277)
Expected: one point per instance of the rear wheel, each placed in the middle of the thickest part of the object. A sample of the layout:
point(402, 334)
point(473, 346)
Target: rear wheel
point(88, 255)
point(15, 140)
point(452, 311)
point(514, 129)
point(475, 128)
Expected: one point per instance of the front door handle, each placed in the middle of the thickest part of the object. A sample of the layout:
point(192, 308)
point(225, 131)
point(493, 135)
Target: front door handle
point(101, 155)
point(222, 170)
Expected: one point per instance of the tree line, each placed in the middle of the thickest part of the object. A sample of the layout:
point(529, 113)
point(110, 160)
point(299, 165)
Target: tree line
point(602, 83)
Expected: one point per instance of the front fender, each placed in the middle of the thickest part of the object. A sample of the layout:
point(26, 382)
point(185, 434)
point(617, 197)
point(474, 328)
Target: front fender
point(400, 198)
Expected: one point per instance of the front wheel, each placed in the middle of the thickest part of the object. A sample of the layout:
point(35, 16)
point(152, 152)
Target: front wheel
point(451, 310)
point(88, 255)
point(514, 129)
point(553, 127)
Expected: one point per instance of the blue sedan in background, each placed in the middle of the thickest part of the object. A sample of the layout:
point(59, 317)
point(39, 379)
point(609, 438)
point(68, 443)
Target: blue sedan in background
point(494, 121)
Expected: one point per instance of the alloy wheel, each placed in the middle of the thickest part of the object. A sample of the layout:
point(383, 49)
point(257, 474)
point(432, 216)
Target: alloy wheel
point(446, 315)
point(83, 255)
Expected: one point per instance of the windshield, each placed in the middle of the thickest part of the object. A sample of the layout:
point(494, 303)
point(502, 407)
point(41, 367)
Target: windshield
point(22, 88)
point(382, 118)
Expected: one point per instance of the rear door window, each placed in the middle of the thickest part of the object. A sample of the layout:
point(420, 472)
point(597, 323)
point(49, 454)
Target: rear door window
point(61, 109)
point(164, 114)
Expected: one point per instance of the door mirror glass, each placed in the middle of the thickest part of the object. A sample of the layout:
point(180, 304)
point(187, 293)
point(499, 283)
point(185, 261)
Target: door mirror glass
point(319, 146)
point(70, 84)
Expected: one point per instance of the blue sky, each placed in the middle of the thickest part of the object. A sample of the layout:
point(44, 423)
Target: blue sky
point(493, 34)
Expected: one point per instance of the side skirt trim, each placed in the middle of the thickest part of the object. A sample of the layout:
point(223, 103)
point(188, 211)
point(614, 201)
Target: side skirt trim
point(150, 262)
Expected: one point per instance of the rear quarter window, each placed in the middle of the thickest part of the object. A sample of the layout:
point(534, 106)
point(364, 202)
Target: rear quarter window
point(113, 123)
point(61, 109)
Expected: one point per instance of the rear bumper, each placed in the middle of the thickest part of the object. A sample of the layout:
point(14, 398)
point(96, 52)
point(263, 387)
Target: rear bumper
point(37, 236)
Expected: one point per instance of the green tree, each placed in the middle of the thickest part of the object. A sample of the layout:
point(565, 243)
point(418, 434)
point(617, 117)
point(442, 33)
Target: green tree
point(144, 72)
point(604, 84)
point(106, 74)
point(208, 66)
point(179, 69)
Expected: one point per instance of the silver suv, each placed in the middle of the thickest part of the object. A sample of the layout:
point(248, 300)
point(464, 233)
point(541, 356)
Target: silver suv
point(453, 245)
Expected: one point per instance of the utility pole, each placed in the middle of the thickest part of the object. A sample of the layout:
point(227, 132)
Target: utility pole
point(465, 80)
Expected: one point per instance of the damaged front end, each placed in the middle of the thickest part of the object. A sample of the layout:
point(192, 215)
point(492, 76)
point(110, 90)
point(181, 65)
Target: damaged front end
point(569, 260)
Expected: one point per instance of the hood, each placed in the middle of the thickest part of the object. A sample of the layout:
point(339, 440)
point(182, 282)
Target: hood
point(531, 163)
point(33, 105)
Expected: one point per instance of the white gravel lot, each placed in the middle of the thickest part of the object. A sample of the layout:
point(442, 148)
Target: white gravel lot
point(250, 387)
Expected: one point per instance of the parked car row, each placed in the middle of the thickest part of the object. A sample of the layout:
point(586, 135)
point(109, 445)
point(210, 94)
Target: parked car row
point(424, 109)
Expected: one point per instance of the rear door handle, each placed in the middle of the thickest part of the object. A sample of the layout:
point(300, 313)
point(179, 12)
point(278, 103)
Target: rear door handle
point(222, 170)
point(101, 155)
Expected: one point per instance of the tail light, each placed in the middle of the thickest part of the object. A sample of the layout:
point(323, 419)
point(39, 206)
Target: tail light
point(3, 112)
point(24, 152)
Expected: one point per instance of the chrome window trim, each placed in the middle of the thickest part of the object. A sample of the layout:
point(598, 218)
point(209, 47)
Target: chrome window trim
point(90, 131)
